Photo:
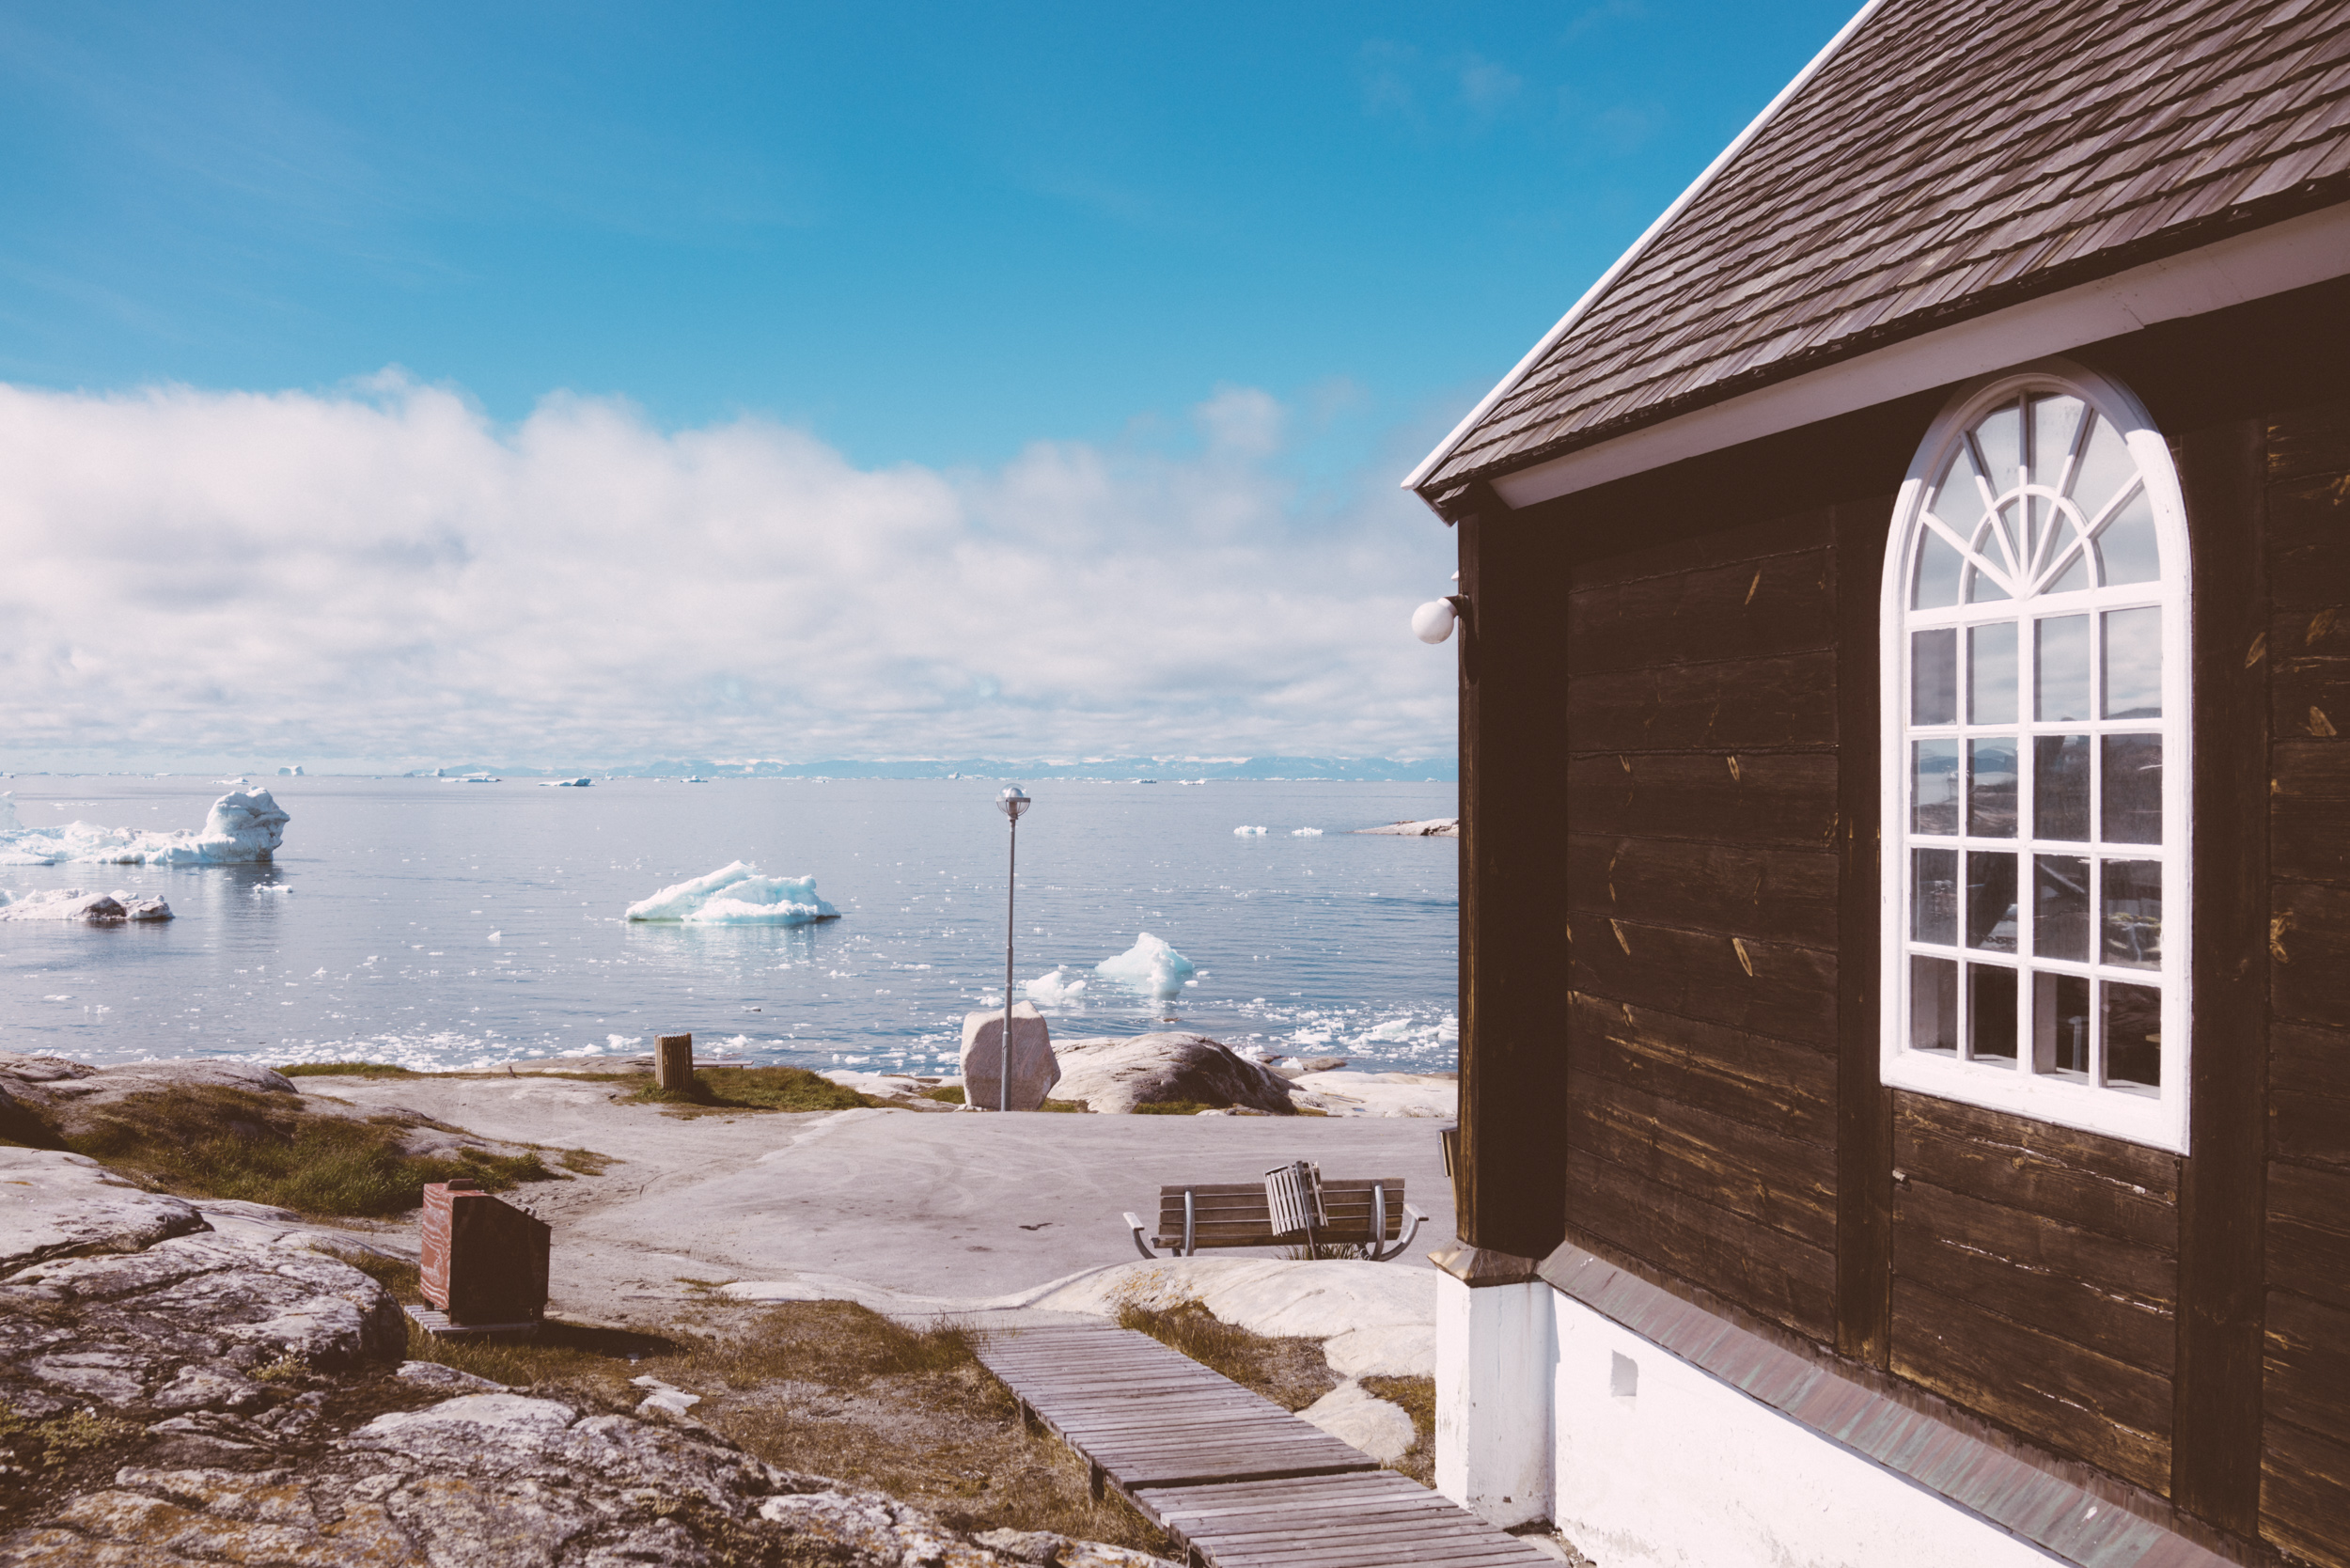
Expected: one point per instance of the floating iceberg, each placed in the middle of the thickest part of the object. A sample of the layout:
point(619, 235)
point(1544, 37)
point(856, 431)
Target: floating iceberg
point(1250, 832)
point(72, 903)
point(566, 783)
point(244, 824)
point(737, 895)
point(1305, 833)
point(1063, 984)
point(1149, 965)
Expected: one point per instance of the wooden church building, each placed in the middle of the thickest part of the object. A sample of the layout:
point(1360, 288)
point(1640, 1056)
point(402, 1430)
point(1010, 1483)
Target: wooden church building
point(1905, 780)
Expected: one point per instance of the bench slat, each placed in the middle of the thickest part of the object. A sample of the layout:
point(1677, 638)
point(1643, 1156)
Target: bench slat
point(1235, 1214)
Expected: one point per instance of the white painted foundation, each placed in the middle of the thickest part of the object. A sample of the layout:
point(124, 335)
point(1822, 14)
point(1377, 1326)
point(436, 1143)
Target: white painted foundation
point(1494, 1354)
point(1660, 1465)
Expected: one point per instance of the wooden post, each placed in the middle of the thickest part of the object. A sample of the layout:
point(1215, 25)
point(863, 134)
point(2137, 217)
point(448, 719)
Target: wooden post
point(673, 1062)
point(1509, 1179)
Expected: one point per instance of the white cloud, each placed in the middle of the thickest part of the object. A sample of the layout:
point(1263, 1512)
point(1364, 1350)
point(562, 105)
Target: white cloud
point(385, 574)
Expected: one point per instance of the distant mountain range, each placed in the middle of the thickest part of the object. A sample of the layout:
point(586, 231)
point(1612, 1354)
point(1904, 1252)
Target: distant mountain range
point(1165, 770)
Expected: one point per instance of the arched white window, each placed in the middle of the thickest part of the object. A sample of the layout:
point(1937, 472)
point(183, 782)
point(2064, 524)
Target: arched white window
point(2035, 700)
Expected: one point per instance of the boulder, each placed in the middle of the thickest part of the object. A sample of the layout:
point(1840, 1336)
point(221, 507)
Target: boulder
point(182, 1325)
point(1114, 1076)
point(1034, 1067)
point(1353, 1414)
point(53, 1204)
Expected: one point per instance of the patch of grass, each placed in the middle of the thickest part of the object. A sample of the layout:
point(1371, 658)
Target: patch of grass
point(831, 1388)
point(396, 1275)
point(587, 1162)
point(953, 1095)
point(215, 1142)
point(1417, 1395)
point(346, 1070)
point(1178, 1107)
point(780, 1089)
point(48, 1442)
point(1293, 1374)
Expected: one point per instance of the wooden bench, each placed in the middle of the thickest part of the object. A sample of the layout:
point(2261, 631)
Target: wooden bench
point(1369, 1213)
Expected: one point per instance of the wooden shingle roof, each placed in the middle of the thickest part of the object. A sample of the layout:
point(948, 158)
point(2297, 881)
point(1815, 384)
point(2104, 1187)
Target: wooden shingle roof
point(1950, 158)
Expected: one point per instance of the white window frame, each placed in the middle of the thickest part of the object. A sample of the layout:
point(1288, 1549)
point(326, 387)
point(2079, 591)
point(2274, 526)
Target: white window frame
point(2159, 1119)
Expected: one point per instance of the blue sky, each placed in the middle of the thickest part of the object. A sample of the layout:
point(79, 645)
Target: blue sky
point(941, 236)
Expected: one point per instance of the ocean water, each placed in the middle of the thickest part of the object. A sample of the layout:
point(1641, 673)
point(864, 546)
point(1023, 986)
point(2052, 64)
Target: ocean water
point(447, 925)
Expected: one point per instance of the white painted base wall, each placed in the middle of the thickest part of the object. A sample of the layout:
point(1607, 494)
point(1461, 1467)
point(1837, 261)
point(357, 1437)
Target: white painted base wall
point(1662, 1466)
point(1492, 1399)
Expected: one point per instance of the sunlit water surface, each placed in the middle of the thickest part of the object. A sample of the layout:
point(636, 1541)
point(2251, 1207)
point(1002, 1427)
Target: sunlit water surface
point(445, 925)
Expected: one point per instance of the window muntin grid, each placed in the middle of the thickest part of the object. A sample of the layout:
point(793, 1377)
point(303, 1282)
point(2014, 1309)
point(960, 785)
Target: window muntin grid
point(2035, 872)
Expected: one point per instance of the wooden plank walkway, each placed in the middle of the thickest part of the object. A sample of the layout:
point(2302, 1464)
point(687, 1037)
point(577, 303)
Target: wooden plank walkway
point(1239, 1481)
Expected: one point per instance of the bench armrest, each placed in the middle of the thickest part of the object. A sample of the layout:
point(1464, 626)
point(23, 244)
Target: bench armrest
point(1412, 1213)
point(1136, 1225)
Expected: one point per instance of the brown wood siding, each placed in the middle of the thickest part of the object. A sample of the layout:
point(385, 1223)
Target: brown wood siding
point(2035, 1279)
point(1702, 910)
point(2305, 1447)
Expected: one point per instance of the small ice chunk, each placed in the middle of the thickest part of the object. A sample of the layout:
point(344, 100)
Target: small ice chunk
point(1305, 833)
point(1250, 832)
point(1151, 965)
point(244, 824)
point(1060, 986)
point(72, 903)
point(737, 895)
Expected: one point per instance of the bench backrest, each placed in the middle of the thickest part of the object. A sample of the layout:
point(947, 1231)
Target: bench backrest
point(1234, 1214)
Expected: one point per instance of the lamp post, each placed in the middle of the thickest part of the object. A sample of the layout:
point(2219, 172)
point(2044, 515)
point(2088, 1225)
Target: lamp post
point(1011, 803)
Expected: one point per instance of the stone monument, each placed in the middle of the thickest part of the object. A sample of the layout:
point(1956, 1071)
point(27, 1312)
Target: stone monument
point(1034, 1068)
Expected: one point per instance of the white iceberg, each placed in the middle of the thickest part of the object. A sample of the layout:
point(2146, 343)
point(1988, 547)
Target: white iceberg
point(1063, 984)
point(72, 903)
point(565, 783)
point(1305, 833)
point(1151, 965)
point(244, 825)
point(1250, 832)
point(737, 895)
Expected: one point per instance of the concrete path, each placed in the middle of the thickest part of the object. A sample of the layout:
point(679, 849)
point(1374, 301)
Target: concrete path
point(907, 1211)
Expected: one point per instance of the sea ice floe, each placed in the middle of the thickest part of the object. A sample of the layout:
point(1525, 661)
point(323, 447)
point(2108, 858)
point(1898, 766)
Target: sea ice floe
point(72, 903)
point(1063, 984)
point(1250, 832)
point(243, 825)
point(1151, 965)
point(737, 895)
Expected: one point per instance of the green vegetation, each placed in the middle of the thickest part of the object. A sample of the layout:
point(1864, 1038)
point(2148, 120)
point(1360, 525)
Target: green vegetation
point(43, 1444)
point(1293, 1374)
point(215, 1142)
point(952, 1095)
point(829, 1388)
point(346, 1070)
point(1417, 1395)
point(778, 1088)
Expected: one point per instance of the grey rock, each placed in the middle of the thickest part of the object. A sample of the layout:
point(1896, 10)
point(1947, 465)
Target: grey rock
point(146, 1331)
point(1034, 1067)
point(1114, 1076)
point(431, 1375)
point(53, 1204)
point(1322, 1064)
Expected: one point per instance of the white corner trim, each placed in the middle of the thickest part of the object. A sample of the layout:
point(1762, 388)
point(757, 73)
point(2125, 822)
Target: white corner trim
point(2293, 254)
point(1639, 247)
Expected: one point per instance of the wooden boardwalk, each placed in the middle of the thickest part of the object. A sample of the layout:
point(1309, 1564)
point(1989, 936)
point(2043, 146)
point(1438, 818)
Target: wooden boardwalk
point(1236, 1479)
